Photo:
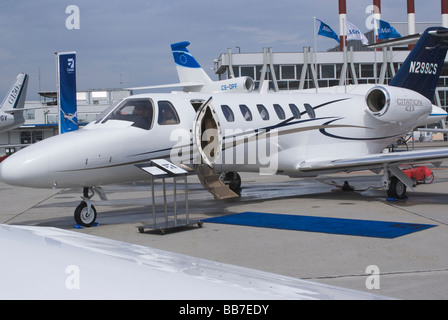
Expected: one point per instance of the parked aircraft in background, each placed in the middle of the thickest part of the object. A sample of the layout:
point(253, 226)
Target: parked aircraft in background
point(12, 107)
point(290, 133)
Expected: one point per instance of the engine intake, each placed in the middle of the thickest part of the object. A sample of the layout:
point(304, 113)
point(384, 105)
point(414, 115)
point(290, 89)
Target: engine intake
point(378, 100)
point(392, 104)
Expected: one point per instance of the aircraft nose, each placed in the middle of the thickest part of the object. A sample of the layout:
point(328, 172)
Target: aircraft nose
point(27, 168)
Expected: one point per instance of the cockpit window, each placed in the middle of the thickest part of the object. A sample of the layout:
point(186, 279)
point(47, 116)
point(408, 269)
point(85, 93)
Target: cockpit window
point(104, 113)
point(167, 113)
point(138, 111)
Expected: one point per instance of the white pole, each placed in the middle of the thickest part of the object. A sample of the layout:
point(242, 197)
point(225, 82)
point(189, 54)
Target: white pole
point(315, 52)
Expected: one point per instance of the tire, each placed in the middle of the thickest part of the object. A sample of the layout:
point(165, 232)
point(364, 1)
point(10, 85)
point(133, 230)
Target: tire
point(429, 179)
point(82, 217)
point(397, 189)
point(233, 180)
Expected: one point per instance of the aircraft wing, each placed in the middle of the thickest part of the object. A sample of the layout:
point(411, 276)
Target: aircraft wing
point(51, 263)
point(433, 130)
point(376, 161)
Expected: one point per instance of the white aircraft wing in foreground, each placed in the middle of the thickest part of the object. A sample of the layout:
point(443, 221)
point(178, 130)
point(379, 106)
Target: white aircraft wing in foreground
point(49, 263)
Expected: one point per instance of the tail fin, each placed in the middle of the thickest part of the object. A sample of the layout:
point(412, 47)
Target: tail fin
point(188, 69)
point(15, 98)
point(194, 79)
point(421, 70)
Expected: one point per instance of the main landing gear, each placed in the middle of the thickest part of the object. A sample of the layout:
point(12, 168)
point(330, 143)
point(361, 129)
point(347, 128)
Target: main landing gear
point(85, 212)
point(233, 180)
point(396, 183)
point(397, 189)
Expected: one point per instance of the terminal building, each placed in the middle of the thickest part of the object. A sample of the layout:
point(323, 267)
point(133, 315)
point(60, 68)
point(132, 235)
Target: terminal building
point(357, 64)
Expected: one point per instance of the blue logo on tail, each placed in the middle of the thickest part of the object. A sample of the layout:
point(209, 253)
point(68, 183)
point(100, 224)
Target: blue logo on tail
point(182, 56)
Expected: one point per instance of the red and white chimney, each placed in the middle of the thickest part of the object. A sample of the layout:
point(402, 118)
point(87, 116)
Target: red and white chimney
point(411, 17)
point(411, 21)
point(376, 16)
point(445, 13)
point(342, 19)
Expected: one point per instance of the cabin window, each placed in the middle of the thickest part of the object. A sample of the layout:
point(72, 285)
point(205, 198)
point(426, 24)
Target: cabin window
point(263, 112)
point(280, 112)
point(247, 115)
point(167, 114)
point(228, 113)
point(295, 111)
point(138, 111)
point(309, 109)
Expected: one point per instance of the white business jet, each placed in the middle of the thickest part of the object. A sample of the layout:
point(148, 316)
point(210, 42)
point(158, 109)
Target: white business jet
point(12, 107)
point(295, 134)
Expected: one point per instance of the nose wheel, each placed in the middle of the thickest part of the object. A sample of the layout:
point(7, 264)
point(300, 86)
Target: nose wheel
point(85, 214)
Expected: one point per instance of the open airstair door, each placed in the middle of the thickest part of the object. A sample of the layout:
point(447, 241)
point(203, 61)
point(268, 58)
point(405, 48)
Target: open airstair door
point(207, 139)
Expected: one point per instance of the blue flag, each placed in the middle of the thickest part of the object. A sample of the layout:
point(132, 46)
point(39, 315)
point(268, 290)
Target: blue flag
point(68, 117)
point(386, 31)
point(326, 31)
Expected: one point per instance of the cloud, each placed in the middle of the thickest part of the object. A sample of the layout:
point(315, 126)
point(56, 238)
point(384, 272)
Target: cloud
point(130, 41)
point(266, 37)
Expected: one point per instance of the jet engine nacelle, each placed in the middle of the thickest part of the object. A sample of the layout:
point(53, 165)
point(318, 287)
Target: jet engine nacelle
point(393, 104)
point(239, 85)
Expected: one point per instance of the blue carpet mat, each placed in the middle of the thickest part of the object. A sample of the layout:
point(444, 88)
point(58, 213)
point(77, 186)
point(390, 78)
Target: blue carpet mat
point(364, 228)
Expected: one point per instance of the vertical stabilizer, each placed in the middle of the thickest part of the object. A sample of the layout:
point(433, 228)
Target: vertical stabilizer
point(15, 98)
point(188, 69)
point(193, 78)
point(421, 70)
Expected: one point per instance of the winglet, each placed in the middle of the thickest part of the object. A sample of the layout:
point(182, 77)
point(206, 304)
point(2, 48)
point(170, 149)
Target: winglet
point(15, 98)
point(421, 70)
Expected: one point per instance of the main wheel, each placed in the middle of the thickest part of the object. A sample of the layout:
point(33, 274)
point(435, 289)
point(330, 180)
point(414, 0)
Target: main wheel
point(82, 215)
point(233, 180)
point(397, 189)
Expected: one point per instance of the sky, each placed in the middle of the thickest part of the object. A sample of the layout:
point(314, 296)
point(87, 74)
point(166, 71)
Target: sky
point(127, 43)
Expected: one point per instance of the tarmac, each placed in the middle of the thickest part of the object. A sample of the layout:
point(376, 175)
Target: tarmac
point(412, 266)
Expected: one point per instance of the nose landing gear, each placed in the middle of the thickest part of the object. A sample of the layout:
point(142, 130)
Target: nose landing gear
point(85, 213)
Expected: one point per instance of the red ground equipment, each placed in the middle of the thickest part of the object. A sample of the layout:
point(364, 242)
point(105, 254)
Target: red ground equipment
point(420, 175)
